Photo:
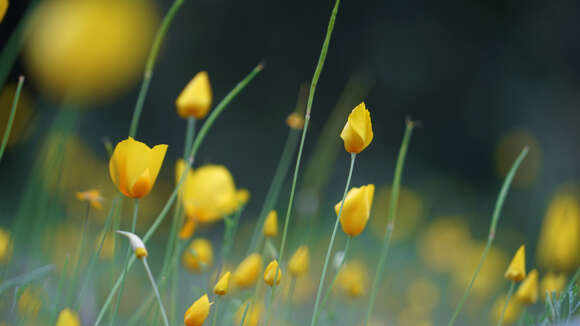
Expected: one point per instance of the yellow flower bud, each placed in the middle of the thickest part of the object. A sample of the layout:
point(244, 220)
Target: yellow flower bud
point(553, 283)
point(134, 167)
point(243, 196)
point(270, 271)
point(356, 210)
point(517, 269)
point(300, 262)
point(3, 8)
point(93, 196)
point(248, 271)
point(195, 99)
point(512, 312)
point(5, 246)
point(198, 312)
point(223, 285)
point(270, 228)
point(352, 278)
point(295, 121)
point(357, 133)
point(68, 317)
point(253, 315)
point(198, 256)
point(187, 230)
point(528, 291)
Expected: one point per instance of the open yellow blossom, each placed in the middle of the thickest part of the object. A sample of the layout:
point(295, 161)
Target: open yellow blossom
point(5, 246)
point(223, 285)
point(553, 283)
point(528, 291)
point(93, 196)
point(352, 279)
point(270, 275)
point(512, 312)
point(270, 228)
point(134, 167)
point(517, 269)
point(198, 312)
point(253, 315)
point(299, 262)
point(356, 210)
point(295, 121)
point(195, 99)
point(3, 8)
point(187, 230)
point(248, 271)
point(198, 256)
point(357, 133)
point(67, 317)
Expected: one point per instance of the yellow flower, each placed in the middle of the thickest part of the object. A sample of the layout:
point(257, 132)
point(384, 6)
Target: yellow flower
point(30, 302)
point(423, 295)
point(243, 196)
point(67, 317)
point(442, 247)
point(270, 228)
point(352, 279)
point(553, 283)
point(295, 121)
point(134, 167)
point(3, 8)
point(253, 315)
point(93, 196)
point(195, 99)
point(528, 291)
point(5, 246)
point(72, 53)
point(223, 285)
point(248, 271)
point(356, 210)
point(198, 312)
point(357, 133)
point(517, 269)
point(187, 230)
point(300, 262)
point(271, 271)
point(198, 256)
point(512, 312)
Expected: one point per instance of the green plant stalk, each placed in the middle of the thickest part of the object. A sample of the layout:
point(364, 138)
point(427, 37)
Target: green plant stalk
point(507, 300)
point(11, 117)
point(522, 316)
point(230, 230)
point(126, 263)
point(79, 256)
point(156, 290)
point(198, 141)
point(573, 280)
point(242, 322)
point(316, 312)
point(59, 288)
point(494, 220)
point(189, 135)
point(288, 307)
point(22, 280)
point(215, 312)
point(327, 295)
point(391, 218)
point(151, 60)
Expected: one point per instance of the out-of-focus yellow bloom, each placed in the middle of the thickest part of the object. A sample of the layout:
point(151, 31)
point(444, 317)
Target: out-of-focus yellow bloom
point(443, 245)
point(410, 206)
point(30, 302)
point(23, 123)
point(243, 196)
point(187, 230)
point(423, 295)
point(3, 8)
point(552, 283)
point(270, 275)
point(248, 271)
point(67, 317)
point(303, 289)
point(299, 262)
point(134, 167)
point(71, 53)
point(512, 312)
point(356, 210)
point(93, 196)
point(560, 234)
point(195, 99)
point(357, 133)
point(223, 285)
point(270, 228)
point(5, 246)
point(352, 279)
point(508, 149)
point(210, 194)
point(528, 291)
point(517, 269)
point(295, 121)
point(198, 312)
point(253, 316)
point(108, 249)
point(198, 256)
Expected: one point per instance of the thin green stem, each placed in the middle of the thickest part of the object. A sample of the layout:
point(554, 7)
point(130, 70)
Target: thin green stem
point(507, 300)
point(24, 279)
point(230, 230)
point(215, 312)
point(288, 307)
point(59, 288)
point(522, 316)
point(391, 218)
point(11, 116)
point(338, 268)
point(79, 256)
point(156, 290)
point(189, 135)
point(151, 60)
point(316, 312)
point(243, 320)
point(573, 280)
point(494, 220)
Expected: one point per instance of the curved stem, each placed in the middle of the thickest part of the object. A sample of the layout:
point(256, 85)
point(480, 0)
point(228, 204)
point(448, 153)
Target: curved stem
point(156, 290)
point(215, 312)
point(507, 300)
point(79, 256)
point(338, 268)
point(11, 116)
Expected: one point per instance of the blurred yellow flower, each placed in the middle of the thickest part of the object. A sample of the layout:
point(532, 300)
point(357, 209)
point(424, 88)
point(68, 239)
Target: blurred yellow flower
point(93, 196)
point(270, 228)
point(423, 295)
point(295, 121)
point(553, 283)
point(243, 196)
point(516, 271)
point(273, 273)
point(528, 291)
point(134, 167)
point(511, 314)
point(187, 230)
point(108, 249)
point(195, 99)
point(3, 8)
point(253, 315)
point(198, 256)
point(5, 246)
point(198, 312)
point(72, 54)
point(299, 262)
point(356, 210)
point(223, 285)
point(352, 279)
point(357, 133)
point(67, 317)
point(410, 208)
point(443, 246)
point(23, 120)
point(30, 302)
point(248, 271)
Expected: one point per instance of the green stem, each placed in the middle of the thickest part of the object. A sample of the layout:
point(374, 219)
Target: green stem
point(289, 300)
point(522, 316)
point(316, 312)
point(59, 288)
point(11, 117)
point(494, 220)
point(242, 322)
point(156, 290)
point(391, 218)
point(507, 300)
point(79, 256)
point(24, 279)
point(189, 135)
point(215, 312)
point(327, 295)
point(151, 60)
point(573, 280)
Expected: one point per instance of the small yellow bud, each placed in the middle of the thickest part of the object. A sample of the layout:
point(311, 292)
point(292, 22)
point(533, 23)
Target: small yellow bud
point(552, 283)
point(517, 269)
point(198, 256)
point(528, 291)
point(93, 196)
point(295, 121)
point(271, 270)
point(141, 253)
point(300, 262)
point(195, 99)
point(187, 230)
point(222, 286)
point(270, 228)
point(198, 312)
point(352, 278)
point(356, 210)
point(357, 133)
point(68, 317)
point(248, 271)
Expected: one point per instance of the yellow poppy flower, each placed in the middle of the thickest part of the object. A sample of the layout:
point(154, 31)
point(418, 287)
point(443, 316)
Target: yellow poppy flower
point(198, 312)
point(517, 269)
point(248, 271)
point(356, 210)
point(299, 262)
point(528, 291)
point(270, 271)
point(93, 196)
point(270, 228)
point(134, 167)
point(357, 133)
point(223, 285)
point(68, 317)
point(553, 283)
point(352, 279)
point(198, 256)
point(195, 99)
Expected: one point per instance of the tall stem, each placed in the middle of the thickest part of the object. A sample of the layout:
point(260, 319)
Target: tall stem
point(156, 290)
point(507, 301)
point(215, 312)
point(491, 236)
point(330, 245)
point(79, 256)
point(189, 135)
point(338, 268)
point(12, 115)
